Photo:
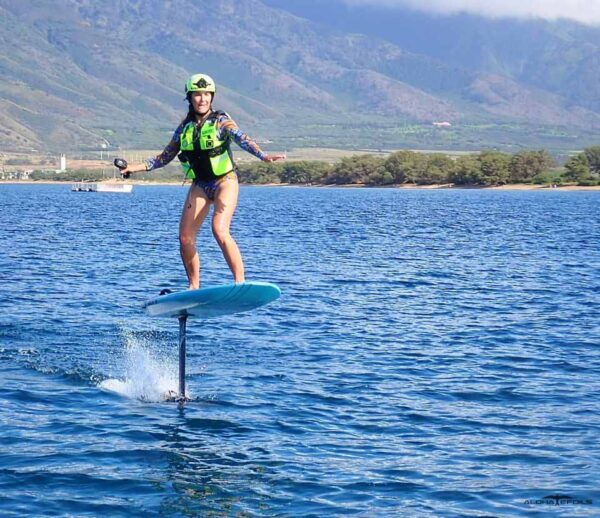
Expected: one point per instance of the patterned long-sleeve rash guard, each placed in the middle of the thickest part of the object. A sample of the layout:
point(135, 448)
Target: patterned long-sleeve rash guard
point(225, 126)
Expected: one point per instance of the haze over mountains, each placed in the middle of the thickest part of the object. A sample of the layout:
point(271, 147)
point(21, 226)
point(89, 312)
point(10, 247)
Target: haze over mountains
point(80, 74)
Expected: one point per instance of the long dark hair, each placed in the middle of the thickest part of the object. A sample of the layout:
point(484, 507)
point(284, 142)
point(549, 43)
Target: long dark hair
point(190, 116)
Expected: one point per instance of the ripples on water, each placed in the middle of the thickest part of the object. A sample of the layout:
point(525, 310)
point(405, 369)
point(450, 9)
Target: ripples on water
point(435, 353)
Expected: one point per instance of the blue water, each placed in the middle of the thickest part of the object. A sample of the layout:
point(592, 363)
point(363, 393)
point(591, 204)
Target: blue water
point(434, 353)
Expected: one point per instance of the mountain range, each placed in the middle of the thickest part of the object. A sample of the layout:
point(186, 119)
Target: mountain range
point(82, 74)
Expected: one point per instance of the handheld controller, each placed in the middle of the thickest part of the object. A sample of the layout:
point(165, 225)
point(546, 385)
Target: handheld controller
point(121, 164)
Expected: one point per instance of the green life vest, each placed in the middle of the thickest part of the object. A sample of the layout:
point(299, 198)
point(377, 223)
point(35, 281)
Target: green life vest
point(203, 155)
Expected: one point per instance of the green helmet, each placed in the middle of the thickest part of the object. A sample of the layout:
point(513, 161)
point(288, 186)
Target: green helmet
point(200, 83)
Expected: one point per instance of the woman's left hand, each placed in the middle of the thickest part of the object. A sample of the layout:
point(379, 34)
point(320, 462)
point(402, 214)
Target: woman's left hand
point(273, 158)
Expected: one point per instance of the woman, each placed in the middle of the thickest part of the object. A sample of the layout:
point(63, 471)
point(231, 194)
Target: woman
point(203, 142)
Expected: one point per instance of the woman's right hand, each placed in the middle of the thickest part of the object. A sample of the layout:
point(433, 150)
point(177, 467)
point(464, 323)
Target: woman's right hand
point(126, 169)
point(126, 173)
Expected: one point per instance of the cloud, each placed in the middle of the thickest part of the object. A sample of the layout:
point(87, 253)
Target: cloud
point(585, 11)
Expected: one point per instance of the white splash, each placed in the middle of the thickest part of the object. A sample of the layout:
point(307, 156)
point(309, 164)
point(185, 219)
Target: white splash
point(147, 377)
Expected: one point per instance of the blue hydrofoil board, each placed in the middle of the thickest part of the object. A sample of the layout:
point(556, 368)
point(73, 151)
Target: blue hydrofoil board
point(214, 301)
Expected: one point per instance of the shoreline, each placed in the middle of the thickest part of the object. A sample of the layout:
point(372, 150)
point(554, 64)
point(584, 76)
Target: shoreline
point(507, 187)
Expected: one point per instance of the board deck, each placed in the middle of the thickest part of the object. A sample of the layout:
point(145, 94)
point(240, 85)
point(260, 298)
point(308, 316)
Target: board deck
point(213, 301)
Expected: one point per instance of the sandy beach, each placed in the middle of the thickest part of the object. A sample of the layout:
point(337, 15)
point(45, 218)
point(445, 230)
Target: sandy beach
point(508, 187)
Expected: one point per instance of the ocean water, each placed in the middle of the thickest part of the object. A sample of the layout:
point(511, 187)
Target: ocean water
point(434, 353)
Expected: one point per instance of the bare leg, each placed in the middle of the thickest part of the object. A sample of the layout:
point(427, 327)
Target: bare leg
point(194, 212)
point(226, 198)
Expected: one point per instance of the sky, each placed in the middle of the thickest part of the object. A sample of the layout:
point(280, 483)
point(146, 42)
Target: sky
point(586, 11)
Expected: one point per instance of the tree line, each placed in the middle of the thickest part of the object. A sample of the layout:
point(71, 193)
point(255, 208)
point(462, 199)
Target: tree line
point(584, 167)
point(409, 167)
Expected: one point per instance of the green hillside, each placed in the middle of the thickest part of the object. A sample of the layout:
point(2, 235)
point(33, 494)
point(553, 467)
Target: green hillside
point(78, 74)
point(559, 56)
